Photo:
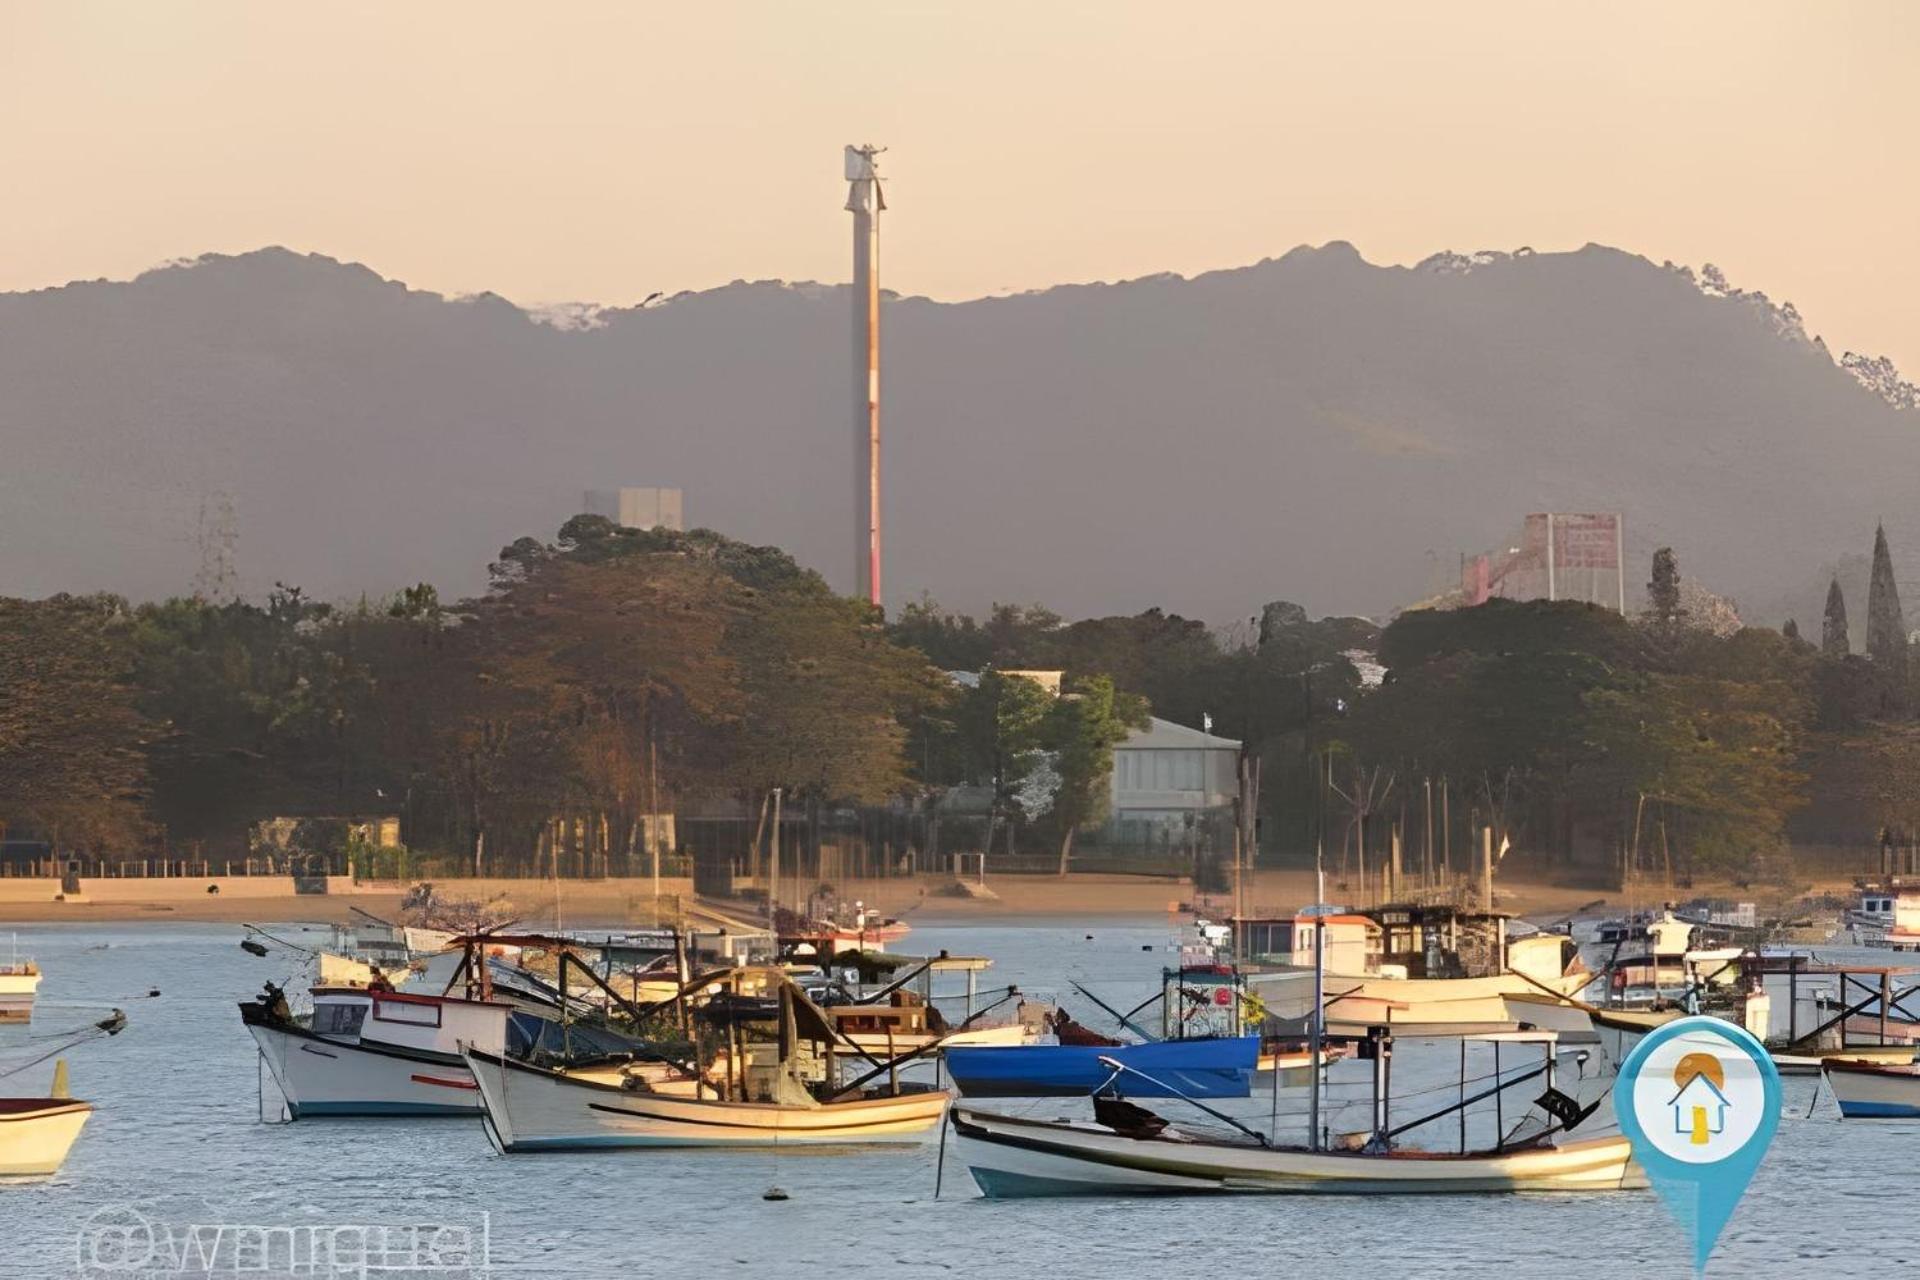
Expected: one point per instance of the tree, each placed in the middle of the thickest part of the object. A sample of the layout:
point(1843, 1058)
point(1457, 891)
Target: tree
point(1833, 626)
point(1663, 591)
point(1083, 727)
point(1002, 720)
point(1886, 627)
point(71, 738)
point(1716, 756)
point(1791, 630)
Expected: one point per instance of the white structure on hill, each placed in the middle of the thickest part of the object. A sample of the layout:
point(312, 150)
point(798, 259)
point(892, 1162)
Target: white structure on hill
point(638, 508)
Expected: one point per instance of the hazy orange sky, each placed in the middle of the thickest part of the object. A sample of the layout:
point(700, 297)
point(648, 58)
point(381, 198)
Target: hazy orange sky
point(603, 151)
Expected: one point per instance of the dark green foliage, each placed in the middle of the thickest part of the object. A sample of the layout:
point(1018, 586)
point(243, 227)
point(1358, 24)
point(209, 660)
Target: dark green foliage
point(1886, 627)
point(1663, 589)
point(1833, 624)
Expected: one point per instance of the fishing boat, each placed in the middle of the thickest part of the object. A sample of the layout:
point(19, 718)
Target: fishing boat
point(37, 1133)
point(1136, 1153)
point(777, 1083)
point(1404, 966)
point(19, 980)
point(904, 1014)
point(1812, 1064)
point(1869, 1090)
point(364, 1052)
point(1200, 1068)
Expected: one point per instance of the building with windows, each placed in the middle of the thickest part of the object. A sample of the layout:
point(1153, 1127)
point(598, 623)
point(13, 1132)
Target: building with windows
point(1167, 778)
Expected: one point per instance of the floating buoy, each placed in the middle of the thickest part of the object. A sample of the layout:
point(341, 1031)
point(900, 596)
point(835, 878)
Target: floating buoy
point(1146, 946)
point(773, 1193)
point(1089, 937)
point(252, 948)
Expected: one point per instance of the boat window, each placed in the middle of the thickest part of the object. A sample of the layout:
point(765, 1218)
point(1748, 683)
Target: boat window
point(419, 1015)
point(338, 1019)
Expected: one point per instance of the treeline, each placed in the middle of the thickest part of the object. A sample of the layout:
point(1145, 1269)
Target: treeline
point(608, 675)
point(614, 673)
point(1647, 743)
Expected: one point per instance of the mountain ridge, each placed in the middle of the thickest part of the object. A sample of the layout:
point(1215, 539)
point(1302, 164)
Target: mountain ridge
point(1187, 442)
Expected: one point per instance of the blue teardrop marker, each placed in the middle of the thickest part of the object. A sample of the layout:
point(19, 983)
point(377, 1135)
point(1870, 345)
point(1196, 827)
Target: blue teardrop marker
point(1699, 1099)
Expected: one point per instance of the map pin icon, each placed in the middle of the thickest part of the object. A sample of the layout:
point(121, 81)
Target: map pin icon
point(1699, 1099)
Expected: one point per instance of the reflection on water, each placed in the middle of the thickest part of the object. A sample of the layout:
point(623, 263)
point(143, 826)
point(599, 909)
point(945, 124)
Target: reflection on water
point(176, 1131)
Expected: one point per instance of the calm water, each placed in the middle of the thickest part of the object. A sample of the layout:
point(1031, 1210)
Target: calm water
point(177, 1136)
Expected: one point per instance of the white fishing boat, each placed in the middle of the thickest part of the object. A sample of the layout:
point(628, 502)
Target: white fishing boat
point(19, 980)
point(37, 1133)
point(1011, 1156)
point(1888, 916)
point(374, 1053)
point(777, 1082)
point(1466, 966)
point(532, 1108)
point(1867, 1090)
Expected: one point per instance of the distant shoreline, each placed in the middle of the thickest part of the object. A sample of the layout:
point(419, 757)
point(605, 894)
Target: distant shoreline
point(623, 902)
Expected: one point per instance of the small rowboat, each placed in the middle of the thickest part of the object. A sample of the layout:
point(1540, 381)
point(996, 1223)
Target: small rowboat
point(1869, 1091)
point(37, 1133)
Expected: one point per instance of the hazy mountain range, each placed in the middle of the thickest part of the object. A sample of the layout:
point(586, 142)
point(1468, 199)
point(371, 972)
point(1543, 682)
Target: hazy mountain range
point(1312, 427)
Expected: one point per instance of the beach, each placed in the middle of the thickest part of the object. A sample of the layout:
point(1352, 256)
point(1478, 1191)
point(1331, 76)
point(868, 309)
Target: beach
point(615, 902)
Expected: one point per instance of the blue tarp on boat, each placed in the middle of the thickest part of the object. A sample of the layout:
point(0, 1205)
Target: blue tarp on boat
point(1200, 1068)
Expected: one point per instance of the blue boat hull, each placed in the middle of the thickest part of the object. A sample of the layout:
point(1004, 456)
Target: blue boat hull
point(1209, 1068)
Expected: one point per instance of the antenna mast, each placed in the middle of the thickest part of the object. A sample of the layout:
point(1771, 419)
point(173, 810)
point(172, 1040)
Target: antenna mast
point(865, 202)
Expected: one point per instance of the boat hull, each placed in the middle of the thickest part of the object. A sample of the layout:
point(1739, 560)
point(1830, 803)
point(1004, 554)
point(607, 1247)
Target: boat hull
point(37, 1133)
point(322, 1077)
point(1197, 1068)
point(1867, 1092)
point(1011, 1158)
point(532, 1109)
point(1370, 1001)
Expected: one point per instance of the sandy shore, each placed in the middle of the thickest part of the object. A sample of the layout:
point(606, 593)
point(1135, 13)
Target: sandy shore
point(609, 903)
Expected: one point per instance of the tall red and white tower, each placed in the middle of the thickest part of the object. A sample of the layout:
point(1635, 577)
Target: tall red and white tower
point(865, 202)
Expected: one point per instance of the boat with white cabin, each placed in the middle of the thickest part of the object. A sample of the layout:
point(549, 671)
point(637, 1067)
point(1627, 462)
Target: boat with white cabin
point(19, 981)
point(367, 1052)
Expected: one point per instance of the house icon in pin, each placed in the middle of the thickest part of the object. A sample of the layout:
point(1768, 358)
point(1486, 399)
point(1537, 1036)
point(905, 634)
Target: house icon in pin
point(1699, 1107)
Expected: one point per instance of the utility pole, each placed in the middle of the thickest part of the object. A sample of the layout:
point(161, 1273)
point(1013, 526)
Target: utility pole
point(865, 202)
point(773, 867)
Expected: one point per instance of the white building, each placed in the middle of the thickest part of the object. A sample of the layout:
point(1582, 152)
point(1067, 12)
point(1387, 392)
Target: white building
point(1166, 776)
point(638, 508)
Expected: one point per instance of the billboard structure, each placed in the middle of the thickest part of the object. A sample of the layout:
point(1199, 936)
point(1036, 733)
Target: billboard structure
point(1557, 556)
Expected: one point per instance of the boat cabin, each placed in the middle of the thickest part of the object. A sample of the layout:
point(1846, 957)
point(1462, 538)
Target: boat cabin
point(438, 1024)
point(1352, 944)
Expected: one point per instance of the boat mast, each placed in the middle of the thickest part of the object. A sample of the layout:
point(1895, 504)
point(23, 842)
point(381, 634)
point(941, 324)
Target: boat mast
point(1316, 1031)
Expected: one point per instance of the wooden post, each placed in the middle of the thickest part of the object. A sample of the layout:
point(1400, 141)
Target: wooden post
point(1886, 1000)
point(1486, 867)
point(1393, 866)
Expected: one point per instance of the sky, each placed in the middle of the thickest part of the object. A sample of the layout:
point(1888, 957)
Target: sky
point(602, 151)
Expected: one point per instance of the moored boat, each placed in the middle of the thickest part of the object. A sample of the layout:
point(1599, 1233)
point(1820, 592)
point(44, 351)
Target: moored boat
point(374, 1053)
point(774, 1078)
point(1867, 1090)
point(19, 980)
point(532, 1108)
point(1012, 1156)
point(37, 1133)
